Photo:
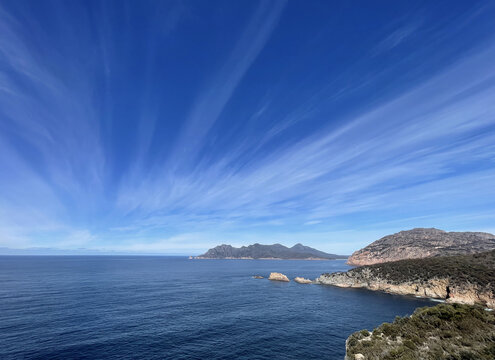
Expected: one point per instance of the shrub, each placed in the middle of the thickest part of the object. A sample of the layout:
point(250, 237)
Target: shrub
point(365, 333)
point(352, 342)
point(409, 344)
point(389, 330)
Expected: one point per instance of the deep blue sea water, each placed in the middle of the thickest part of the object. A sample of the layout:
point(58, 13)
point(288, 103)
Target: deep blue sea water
point(129, 307)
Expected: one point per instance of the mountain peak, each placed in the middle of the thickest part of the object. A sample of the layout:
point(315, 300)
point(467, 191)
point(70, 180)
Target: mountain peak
point(275, 251)
point(420, 243)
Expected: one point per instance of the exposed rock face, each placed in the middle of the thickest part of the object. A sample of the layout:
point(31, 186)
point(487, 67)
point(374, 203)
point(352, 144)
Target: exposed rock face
point(421, 243)
point(276, 251)
point(302, 280)
point(278, 277)
point(467, 279)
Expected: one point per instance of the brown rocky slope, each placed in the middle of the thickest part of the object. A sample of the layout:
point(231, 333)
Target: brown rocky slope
point(467, 279)
point(422, 243)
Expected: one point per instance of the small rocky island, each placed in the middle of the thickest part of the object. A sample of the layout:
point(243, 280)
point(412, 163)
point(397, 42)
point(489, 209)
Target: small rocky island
point(267, 252)
point(302, 280)
point(421, 243)
point(275, 276)
point(467, 279)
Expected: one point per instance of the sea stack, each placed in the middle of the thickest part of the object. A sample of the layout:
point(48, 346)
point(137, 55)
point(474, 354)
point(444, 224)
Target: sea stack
point(302, 280)
point(275, 276)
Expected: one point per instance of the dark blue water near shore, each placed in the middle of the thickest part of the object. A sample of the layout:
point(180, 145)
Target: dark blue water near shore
point(174, 308)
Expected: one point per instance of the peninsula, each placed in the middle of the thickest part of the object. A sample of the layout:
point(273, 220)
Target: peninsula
point(259, 251)
point(467, 279)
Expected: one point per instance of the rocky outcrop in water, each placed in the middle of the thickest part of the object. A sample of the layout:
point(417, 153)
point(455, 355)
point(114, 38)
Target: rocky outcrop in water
point(276, 251)
point(466, 279)
point(302, 280)
point(422, 243)
point(278, 277)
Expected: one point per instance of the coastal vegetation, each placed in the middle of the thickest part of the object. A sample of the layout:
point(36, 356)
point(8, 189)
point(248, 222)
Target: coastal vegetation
point(465, 279)
point(476, 269)
point(445, 331)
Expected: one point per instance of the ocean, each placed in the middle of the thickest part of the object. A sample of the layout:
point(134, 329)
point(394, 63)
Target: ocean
point(139, 307)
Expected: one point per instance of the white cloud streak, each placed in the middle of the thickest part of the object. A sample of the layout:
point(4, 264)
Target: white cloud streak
point(410, 160)
point(417, 137)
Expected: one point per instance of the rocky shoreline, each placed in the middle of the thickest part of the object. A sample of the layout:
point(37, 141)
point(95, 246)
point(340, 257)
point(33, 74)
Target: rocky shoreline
point(438, 288)
point(466, 279)
point(458, 328)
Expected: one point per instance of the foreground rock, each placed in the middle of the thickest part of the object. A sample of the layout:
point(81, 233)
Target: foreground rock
point(302, 280)
point(466, 279)
point(258, 277)
point(278, 277)
point(276, 251)
point(421, 243)
point(441, 332)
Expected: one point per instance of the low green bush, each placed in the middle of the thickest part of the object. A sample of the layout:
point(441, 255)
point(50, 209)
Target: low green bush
point(446, 331)
point(477, 269)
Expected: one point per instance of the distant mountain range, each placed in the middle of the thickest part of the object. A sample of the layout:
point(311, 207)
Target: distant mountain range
point(422, 243)
point(276, 251)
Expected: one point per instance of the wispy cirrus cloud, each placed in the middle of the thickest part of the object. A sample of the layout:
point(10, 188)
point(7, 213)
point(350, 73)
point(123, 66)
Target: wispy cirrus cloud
point(394, 39)
point(403, 153)
point(83, 167)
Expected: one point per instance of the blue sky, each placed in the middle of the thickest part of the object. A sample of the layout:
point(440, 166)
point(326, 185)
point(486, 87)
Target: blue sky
point(174, 126)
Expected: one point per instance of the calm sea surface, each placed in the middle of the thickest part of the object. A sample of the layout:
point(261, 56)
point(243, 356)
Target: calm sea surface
point(122, 307)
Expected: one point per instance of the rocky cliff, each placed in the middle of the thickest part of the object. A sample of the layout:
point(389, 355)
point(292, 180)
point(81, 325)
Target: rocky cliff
point(422, 243)
point(467, 279)
point(276, 251)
